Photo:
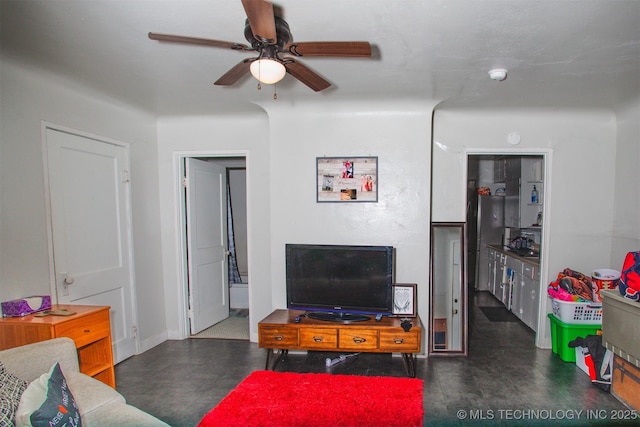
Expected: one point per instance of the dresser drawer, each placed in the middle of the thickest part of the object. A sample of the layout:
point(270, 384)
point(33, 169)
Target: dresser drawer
point(318, 338)
point(85, 329)
point(358, 339)
point(399, 341)
point(277, 337)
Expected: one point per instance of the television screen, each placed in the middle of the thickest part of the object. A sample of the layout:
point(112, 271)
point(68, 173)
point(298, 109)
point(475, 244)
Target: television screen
point(340, 279)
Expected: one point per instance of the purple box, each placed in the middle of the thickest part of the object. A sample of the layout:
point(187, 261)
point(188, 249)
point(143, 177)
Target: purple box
point(23, 306)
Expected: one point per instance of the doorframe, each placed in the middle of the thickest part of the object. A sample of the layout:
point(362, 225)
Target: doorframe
point(44, 125)
point(547, 158)
point(181, 220)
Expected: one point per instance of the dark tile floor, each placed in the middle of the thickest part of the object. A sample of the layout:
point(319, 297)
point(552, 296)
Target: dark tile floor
point(505, 380)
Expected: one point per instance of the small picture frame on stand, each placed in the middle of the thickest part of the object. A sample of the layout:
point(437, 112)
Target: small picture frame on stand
point(404, 299)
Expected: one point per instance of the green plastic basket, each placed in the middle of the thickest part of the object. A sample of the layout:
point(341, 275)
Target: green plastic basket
point(563, 333)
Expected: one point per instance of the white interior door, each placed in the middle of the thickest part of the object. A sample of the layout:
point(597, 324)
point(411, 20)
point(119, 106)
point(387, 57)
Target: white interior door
point(90, 224)
point(206, 207)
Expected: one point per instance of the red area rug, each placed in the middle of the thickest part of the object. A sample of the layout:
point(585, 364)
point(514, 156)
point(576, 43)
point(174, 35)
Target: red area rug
point(267, 398)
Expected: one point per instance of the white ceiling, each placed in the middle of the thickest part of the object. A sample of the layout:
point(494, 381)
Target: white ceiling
point(560, 53)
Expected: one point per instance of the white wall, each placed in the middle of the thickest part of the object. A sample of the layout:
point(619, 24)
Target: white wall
point(281, 150)
point(581, 157)
point(28, 98)
point(399, 134)
point(626, 221)
point(232, 135)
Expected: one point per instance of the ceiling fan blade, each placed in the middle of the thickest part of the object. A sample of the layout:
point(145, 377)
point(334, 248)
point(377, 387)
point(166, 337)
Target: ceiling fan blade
point(305, 75)
point(347, 49)
point(235, 73)
point(261, 20)
point(194, 40)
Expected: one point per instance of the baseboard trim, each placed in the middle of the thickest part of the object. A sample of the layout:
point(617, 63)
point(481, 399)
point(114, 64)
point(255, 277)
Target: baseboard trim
point(153, 341)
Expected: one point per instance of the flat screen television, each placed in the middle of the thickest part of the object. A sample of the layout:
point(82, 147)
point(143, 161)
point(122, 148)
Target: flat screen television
point(340, 282)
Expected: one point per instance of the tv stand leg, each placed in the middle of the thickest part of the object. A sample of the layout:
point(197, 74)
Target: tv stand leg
point(281, 355)
point(409, 360)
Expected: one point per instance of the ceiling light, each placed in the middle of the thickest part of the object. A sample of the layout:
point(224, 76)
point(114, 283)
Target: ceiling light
point(498, 74)
point(268, 71)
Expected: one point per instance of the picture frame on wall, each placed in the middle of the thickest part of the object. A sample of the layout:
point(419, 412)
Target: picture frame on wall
point(346, 179)
point(405, 299)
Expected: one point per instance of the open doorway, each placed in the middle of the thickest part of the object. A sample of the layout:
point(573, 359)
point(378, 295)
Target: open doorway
point(237, 238)
point(220, 207)
point(505, 235)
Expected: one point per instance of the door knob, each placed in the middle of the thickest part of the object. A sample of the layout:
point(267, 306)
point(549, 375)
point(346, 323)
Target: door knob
point(63, 281)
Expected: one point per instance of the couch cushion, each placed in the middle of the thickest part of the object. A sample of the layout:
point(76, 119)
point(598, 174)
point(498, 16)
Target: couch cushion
point(11, 389)
point(41, 356)
point(47, 401)
point(90, 393)
point(120, 414)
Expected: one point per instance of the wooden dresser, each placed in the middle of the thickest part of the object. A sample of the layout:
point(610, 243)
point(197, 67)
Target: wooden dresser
point(281, 332)
point(89, 327)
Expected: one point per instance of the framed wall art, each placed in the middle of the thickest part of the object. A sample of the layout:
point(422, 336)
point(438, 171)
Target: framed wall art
point(346, 179)
point(405, 299)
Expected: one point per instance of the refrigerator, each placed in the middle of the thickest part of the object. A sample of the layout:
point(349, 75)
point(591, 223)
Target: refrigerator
point(486, 228)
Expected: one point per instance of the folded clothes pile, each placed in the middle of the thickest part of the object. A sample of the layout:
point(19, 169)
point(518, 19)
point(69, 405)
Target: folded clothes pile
point(572, 285)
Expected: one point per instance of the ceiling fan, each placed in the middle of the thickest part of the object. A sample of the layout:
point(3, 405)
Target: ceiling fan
point(270, 37)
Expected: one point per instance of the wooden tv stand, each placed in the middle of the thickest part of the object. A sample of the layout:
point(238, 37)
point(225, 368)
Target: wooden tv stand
point(280, 332)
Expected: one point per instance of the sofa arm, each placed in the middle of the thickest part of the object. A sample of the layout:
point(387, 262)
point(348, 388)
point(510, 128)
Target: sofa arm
point(30, 361)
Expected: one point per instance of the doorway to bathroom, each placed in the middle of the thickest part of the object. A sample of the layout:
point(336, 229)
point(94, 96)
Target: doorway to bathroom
point(216, 211)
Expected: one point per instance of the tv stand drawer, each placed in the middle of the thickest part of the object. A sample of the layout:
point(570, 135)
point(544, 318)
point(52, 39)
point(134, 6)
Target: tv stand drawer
point(318, 338)
point(399, 341)
point(277, 337)
point(358, 339)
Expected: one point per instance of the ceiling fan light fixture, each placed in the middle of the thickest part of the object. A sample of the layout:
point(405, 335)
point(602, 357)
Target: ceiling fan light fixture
point(269, 36)
point(268, 71)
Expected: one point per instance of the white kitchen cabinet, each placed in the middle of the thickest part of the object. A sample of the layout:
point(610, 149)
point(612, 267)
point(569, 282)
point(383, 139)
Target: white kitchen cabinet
point(512, 291)
point(517, 291)
point(501, 280)
point(531, 295)
point(505, 294)
point(516, 284)
point(507, 277)
point(492, 270)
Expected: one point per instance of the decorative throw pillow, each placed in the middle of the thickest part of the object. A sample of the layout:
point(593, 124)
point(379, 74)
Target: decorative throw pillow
point(11, 389)
point(47, 401)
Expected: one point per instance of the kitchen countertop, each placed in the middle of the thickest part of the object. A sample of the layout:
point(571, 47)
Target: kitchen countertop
point(529, 260)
